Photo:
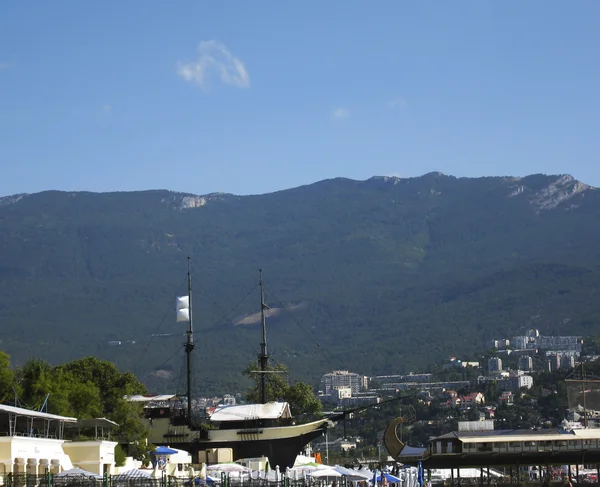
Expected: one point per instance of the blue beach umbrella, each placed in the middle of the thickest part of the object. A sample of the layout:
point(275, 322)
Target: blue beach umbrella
point(420, 474)
point(163, 450)
point(392, 479)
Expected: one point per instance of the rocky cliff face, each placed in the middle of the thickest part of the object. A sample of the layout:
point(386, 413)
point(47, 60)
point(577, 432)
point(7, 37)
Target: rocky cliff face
point(563, 189)
point(557, 191)
point(9, 200)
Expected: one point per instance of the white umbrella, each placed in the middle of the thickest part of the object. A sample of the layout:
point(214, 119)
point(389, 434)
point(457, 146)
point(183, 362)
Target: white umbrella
point(353, 475)
point(78, 472)
point(325, 472)
point(227, 467)
point(134, 473)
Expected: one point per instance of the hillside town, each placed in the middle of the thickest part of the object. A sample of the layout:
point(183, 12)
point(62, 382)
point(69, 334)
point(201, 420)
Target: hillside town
point(510, 368)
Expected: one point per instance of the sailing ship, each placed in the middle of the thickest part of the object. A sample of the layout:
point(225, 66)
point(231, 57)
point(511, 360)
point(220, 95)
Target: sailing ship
point(266, 429)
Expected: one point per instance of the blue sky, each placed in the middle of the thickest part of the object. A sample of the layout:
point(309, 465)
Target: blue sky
point(252, 97)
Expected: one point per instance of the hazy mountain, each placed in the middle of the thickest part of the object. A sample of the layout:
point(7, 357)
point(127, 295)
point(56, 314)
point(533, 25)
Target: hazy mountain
point(382, 275)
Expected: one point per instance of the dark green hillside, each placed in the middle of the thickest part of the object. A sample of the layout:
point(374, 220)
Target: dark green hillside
point(391, 272)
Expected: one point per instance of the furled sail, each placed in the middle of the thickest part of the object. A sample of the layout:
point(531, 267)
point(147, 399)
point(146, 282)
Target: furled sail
point(183, 308)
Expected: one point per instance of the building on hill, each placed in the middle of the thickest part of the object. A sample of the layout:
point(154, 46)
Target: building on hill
point(525, 363)
point(359, 400)
point(561, 360)
point(515, 383)
point(494, 364)
point(472, 400)
point(567, 362)
point(560, 343)
point(228, 400)
point(454, 362)
point(338, 445)
point(534, 340)
point(553, 362)
point(506, 398)
point(402, 378)
point(342, 378)
point(499, 344)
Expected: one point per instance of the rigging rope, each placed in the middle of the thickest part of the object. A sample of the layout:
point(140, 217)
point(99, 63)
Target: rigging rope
point(169, 309)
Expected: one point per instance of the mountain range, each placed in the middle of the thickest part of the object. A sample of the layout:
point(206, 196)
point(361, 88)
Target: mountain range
point(379, 276)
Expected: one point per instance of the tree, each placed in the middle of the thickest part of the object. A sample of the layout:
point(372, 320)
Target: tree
point(106, 387)
point(302, 399)
point(34, 382)
point(106, 377)
point(6, 377)
point(300, 396)
point(85, 388)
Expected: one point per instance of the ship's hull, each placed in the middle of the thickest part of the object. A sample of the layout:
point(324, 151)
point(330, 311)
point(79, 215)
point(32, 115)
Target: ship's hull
point(281, 445)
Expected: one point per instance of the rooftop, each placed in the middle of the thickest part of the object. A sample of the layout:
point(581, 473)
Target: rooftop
point(16, 411)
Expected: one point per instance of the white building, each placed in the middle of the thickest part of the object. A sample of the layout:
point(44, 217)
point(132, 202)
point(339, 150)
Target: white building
point(33, 442)
point(342, 393)
point(522, 381)
point(342, 378)
point(228, 400)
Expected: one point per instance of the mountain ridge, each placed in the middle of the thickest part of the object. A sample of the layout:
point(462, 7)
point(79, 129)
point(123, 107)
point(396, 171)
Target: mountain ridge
point(567, 178)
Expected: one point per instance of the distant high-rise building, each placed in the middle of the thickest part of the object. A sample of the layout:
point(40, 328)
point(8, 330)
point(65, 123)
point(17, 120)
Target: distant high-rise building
point(560, 343)
point(525, 363)
point(342, 378)
point(567, 362)
point(522, 381)
point(554, 361)
point(495, 364)
point(520, 342)
point(228, 400)
point(499, 344)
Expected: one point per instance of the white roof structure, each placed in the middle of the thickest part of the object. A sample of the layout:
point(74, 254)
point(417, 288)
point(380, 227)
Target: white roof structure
point(34, 414)
point(157, 397)
point(244, 412)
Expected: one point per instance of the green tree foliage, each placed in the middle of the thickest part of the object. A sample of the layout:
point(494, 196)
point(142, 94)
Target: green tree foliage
point(300, 396)
point(85, 388)
point(6, 377)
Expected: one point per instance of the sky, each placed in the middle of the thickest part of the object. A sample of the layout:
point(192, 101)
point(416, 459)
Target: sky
point(253, 97)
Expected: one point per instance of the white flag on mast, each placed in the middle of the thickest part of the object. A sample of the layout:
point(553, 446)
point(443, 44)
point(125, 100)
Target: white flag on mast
point(183, 308)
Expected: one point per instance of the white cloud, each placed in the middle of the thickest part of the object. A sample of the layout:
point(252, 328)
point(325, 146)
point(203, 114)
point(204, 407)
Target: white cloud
point(340, 113)
point(397, 103)
point(214, 59)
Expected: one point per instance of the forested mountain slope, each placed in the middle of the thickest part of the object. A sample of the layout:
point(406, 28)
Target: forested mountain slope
point(380, 276)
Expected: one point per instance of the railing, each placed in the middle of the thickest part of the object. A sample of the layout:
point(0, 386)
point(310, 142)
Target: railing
point(49, 480)
point(552, 446)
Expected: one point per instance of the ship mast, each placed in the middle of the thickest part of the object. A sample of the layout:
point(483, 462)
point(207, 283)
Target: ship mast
point(189, 345)
point(579, 375)
point(263, 357)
